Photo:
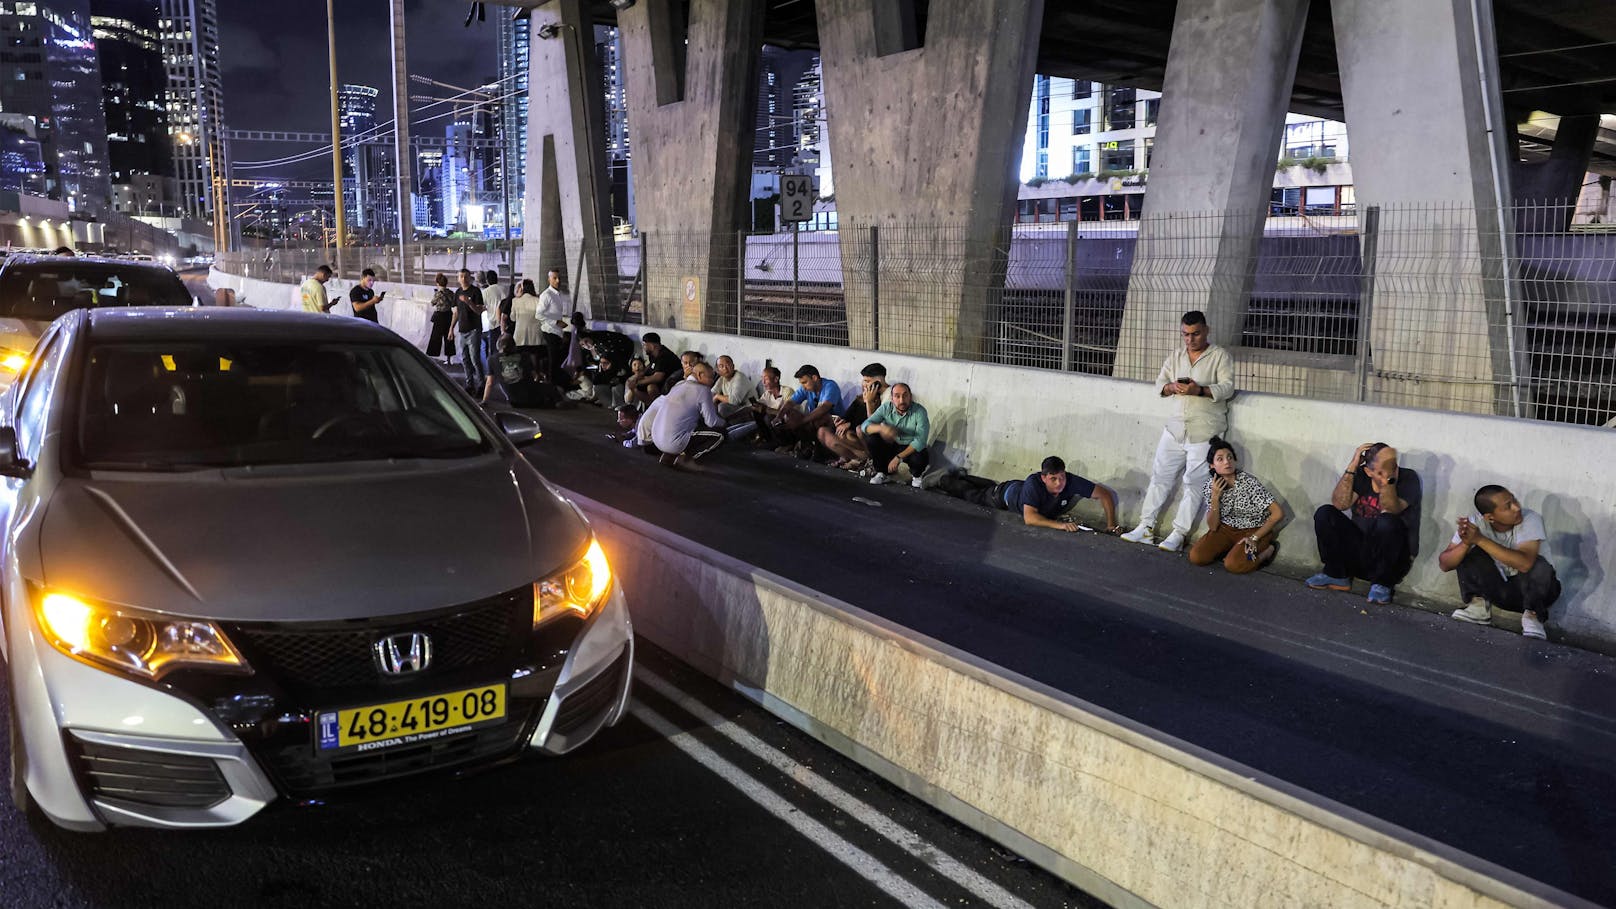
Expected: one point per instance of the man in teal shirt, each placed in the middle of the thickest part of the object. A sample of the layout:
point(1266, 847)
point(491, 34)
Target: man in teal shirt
point(897, 434)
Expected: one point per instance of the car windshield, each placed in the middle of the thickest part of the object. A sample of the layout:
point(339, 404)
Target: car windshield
point(42, 291)
point(201, 404)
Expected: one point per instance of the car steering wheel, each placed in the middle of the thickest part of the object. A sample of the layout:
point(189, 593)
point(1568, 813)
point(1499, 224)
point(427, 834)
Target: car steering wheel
point(339, 420)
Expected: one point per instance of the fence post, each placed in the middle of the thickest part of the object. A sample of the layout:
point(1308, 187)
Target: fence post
point(1068, 311)
point(796, 302)
point(875, 286)
point(1366, 296)
point(740, 279)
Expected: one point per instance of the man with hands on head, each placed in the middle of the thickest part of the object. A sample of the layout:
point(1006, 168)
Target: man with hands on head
point(1501, 556)
point(1370, 528)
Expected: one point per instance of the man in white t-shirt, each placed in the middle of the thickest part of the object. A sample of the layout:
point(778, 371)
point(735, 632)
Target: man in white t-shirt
point(1501, 555)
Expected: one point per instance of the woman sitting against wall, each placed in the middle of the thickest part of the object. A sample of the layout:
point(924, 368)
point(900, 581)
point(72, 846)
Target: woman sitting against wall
point(1241, 515)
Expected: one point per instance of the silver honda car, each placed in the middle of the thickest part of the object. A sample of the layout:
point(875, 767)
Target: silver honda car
point(252, 555)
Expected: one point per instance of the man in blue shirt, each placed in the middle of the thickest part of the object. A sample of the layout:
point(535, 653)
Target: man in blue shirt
point(1043, 499)
point(819, 399)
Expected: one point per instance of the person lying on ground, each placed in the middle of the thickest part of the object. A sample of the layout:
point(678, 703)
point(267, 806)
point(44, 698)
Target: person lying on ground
point(896, 435)
point(1043, 499)
point(1241, 515)
point(820, 399)
point(842, 437)
point(1370, 528)
point(1501, 555)
point(673, 423)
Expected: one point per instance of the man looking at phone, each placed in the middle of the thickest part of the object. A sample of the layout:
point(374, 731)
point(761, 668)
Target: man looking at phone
point(1370, 529)
point(1501, 555)
point(1199, 380)
point(364, 296)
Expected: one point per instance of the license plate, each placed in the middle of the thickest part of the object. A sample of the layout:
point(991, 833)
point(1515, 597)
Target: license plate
point(411, 722)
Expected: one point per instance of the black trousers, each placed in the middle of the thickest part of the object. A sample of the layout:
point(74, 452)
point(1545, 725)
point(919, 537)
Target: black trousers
point(882, 452)
point(440, 341)
point(1380, 556)
point(976, 490)
point(1534, 590)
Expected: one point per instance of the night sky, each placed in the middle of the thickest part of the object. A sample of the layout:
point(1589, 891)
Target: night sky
point(277, 76)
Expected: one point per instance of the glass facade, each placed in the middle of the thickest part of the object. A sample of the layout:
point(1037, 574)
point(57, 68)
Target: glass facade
point(50, 85)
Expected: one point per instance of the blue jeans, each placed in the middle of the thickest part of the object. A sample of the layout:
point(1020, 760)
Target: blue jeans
point(471, 346)
point(490, 350)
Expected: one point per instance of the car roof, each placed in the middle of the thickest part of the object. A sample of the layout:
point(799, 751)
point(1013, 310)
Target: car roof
point(158, 323)
point(50, 261)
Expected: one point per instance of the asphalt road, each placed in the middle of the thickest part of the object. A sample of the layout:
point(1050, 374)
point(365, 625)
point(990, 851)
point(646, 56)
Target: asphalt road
point(652, 813)
point(1499, 745)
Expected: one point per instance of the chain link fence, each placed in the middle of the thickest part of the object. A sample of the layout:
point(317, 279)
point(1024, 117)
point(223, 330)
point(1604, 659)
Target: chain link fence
point(426, 259)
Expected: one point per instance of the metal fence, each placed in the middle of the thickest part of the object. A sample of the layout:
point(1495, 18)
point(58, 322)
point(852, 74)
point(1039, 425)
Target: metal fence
point(427, 258)
point(1444, 307)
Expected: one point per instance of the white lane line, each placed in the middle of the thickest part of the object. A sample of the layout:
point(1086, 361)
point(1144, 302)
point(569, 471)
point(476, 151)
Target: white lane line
point(906, 839)
point(866, 865)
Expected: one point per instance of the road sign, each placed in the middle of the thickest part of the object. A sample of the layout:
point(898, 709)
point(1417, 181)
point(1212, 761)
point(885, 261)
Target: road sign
point(796, 197)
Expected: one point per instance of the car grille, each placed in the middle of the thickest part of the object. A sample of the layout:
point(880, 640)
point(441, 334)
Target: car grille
point(301, 773)
point(149, 777)
point(586, 703)
point(337, 654)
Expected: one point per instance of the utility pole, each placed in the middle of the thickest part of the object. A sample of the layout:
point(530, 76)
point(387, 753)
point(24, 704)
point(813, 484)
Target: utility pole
point(336, 132)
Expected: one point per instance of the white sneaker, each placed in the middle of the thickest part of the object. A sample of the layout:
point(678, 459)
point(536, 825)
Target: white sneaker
point(1173, 543)
point(879, 479)
point(1140, 534)
point(1532, 627)
point(1477, 612)
point(917, 483)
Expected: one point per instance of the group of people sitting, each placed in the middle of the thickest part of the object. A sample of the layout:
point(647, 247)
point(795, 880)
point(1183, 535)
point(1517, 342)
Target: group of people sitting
point(683, 409)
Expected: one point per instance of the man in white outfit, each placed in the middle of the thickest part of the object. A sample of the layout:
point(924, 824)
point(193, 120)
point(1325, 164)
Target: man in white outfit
point(555, 315)
point(673, 423)
point(1200, 381)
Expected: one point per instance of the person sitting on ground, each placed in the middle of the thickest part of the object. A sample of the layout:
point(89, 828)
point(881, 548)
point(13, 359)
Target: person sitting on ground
point(820, 399)
point(612, 351)
point(509, 375)
point(1370, 529)
point(733, 393)
point(688, 361)
point(773, 399)
point(662, 370)
point(896, 436)
point(672, 425)
point(842, 437)
point(1241, 515)
point(1043, 499)
point(1501, 555)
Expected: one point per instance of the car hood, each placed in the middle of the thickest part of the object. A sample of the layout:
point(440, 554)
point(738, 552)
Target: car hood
point(388, 540)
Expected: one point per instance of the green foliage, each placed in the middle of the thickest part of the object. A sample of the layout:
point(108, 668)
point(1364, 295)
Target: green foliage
point(1314, 164)
point(1075, 179)
point(1037, 182)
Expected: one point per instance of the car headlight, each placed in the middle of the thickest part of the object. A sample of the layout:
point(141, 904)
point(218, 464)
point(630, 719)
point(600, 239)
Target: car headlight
point(13, 360)
point(578, 590)
point(129, 640)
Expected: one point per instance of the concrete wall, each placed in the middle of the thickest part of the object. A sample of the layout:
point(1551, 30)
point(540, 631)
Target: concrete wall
point(1127, 814)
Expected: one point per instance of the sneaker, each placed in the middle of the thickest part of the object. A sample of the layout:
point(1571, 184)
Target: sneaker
point(1322, 581)
point(917, 483)
point(1476, 612)
point(879, 479)
point(1532, 627)
point(1173, 543)
point(631, 443)
point(1380, 594)
point(1140, 534)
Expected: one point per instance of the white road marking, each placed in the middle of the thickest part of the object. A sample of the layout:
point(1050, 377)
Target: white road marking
point(901, 836)
point(866, 865)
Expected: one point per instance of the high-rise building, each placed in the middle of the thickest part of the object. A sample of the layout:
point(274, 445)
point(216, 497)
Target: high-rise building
point(139, 149)
point(808, 112)
point(22, 163)
point(619, 163)
point(356, 111)
point(515, 36)
point(50, 76)
point(428, 199)
point(194, 99)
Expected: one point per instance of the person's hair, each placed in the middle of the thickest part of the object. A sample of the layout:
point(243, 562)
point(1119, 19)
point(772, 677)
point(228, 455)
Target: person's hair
point(466, 272)
point(1052, 465)
point(772, 371)
point(650, 337)
point(635, 361)
point(1372, 452)
point(552, 270)
point(368, 273)
point(577, 320)
point(528, 288)
point(325, 269)
point(806, 370)
point(506, 344)
point(1487, 498)
point(63, 251)
point(1218, 444)
point(700, 367)
point(1194, 317)
point(694, 355)
point(904, 386)
point(874, 371)
point(491, 276)
point(725, 357)
point(442, 280)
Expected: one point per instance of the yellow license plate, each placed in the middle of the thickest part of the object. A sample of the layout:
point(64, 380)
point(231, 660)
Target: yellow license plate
point(411, 722)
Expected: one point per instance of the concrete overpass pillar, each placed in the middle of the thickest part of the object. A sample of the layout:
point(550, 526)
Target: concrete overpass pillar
point(692, 99)
point(1230, 68)
point(566, 214)
point(1419, 81)
point(926, 134)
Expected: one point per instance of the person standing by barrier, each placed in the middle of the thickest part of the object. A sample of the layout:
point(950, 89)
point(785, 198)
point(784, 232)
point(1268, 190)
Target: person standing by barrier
point(468, 313)
point(1043, 499)
point(313, 293)
point(1199, 378)
point(441, 341)
point(1501, 555)
point(1370, 528)
point(896, 435)
point(555, 309)
point(364, 297)
point(1241, 515)
point(495, 320)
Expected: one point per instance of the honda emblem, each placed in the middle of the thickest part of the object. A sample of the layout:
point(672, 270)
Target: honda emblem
point(398, 654)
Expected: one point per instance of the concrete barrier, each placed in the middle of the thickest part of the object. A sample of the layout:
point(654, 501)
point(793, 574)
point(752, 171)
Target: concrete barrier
point(1001, 421)
point(1121, 811)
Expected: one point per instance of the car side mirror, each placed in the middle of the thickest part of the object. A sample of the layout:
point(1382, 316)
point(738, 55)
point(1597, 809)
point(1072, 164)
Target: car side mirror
point(12, 463)
point(519, 428)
